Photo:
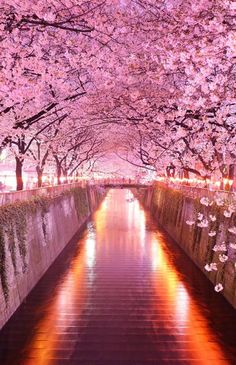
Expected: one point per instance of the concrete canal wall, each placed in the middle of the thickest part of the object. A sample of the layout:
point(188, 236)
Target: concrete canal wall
point(33, 232)
point(172, 208)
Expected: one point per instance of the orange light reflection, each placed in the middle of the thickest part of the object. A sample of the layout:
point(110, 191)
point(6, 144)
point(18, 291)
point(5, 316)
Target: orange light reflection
point(188, 319)
point(70, 292)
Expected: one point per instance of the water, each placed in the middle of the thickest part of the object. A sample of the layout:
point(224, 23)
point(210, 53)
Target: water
point(121, 293)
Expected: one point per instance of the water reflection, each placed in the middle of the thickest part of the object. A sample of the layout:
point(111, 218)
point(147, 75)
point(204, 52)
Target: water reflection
point(182, 305)
point(90, 246)
point(185, 319)
point(56, 319)
point(136, 219)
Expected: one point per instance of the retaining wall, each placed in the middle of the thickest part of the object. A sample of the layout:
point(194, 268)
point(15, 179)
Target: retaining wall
point(32, 235)
point(172, 208)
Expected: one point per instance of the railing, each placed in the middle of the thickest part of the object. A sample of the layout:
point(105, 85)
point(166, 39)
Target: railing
point(191, 191)
point(10, 197)
point(118, 182)
point(199, 192)
point(6, 198)
point(110, 181)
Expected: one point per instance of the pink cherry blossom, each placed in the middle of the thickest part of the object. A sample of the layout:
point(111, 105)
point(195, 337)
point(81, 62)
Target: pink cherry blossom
point(219, 287)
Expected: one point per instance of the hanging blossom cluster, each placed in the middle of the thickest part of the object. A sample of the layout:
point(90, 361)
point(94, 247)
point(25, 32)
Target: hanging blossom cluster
point(225, 250)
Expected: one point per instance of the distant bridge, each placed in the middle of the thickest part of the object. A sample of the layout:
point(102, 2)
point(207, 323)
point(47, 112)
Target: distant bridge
point(10, 197)
point(124, 186)
point(121, 183)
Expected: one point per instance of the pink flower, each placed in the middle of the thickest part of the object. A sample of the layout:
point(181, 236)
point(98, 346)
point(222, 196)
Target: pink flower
point(212, 218)
point(219, 287)
point(227, 214)
point(200, 216)
point(190, 223)
point(212, 233)
point(232, 230)
point(223, 258)
point(204, 201)
point(221, 247)
point(211, 267)
point(219, 202)
point(203, 224)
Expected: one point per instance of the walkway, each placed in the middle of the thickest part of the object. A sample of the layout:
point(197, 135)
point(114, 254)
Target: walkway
point(121, 294)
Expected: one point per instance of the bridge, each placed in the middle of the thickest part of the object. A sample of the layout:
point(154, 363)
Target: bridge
point(52, 190)
point(124, 185)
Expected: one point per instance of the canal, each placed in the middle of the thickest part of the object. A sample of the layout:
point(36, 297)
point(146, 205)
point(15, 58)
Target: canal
point(121, 293)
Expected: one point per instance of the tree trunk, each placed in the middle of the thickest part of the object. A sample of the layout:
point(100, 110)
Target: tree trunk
point(65, 175)
point(19, 170)
point(225, 175)
point(170, 170)
point(186, 174)
point(58, 174)
point(58, 169)
point(40, 176)
point(232, 176)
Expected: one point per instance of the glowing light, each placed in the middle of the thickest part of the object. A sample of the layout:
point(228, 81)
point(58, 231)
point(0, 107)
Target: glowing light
point(182, 304)
point(187, 316)
point(90, 245)
point(3, 155)
point(225, 181)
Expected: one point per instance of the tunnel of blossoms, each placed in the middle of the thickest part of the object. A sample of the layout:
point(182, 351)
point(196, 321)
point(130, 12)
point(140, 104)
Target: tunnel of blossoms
point(117, 182)
point(149, 82)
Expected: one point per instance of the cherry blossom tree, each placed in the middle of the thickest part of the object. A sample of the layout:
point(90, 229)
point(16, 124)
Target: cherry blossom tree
point(161, 73)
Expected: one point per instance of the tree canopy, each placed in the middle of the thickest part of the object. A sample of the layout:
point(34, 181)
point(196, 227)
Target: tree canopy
point(151, 81)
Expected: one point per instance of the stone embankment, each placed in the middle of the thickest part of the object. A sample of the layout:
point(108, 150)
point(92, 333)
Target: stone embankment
point(209, 240)
point(33, 232)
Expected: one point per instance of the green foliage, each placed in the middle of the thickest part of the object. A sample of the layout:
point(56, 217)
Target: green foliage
point(3, 274)
point(13, 225)
point(81, 202)
point(12, 244)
